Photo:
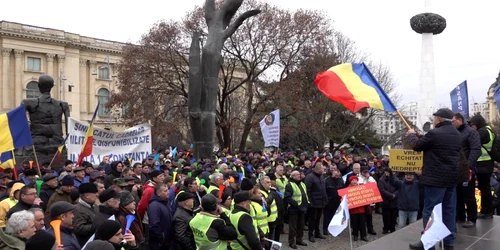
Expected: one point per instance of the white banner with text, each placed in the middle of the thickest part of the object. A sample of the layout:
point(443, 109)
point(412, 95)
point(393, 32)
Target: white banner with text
point(134, 142)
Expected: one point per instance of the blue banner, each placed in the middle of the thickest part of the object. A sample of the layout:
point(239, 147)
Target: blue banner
point(496, 96)
point(460, 99)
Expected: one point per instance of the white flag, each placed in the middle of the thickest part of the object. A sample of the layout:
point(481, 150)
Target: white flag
point(435, 230)
point(112, 217)
point(270, 128)
point(340, 220)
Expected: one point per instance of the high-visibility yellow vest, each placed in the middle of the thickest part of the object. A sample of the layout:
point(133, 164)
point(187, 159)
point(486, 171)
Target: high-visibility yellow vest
point(281, 184)
point(212, 188)
point(297, 195)
point(226, 211)
point(235, 218)
point(260, 217)
point(274, 209)
point(485, 156)
point(200, 225)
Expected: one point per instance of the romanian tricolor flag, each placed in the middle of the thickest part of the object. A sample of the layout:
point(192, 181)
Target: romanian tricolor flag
point(89, 139)
point(354, 86)
point(14, 130)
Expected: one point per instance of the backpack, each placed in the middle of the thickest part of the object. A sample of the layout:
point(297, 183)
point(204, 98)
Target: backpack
point(495, 148)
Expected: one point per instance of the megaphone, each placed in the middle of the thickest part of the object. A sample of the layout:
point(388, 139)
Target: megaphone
point(56, 226)
point(130, 218)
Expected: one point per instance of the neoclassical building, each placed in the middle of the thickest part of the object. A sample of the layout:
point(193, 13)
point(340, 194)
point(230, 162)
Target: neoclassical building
point(83, 69)
point(493, 112)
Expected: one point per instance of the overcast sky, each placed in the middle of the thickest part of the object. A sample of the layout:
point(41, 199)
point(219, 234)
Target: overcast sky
point(469, 48)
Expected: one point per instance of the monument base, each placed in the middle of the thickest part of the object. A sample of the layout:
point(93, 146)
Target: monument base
point(483, 236)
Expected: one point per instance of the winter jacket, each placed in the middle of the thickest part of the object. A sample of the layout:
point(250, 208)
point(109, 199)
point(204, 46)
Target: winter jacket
point(59, 195)
point(104, 213)
point(82, 222)
point(408, 194)
point(20, 206)
point(332, 185)
point(387, 191)
point(441, 147)
point(184, 238)
point(316, 190)
point(7, 204)
point(45, 193)
point(471, 145)
point(149, 189)
point(136, 228)
point(108, 181)
point(160, 224)
point(11, 242)
point(68, 239)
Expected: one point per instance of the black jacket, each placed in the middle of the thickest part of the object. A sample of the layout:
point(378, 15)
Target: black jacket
point(184, 238)
point(388, 191)
point(332, 185)
point(315, 184)
point(471, 145)
point(294, 208)
point(441, 147)
point(45, 193)
point(103, 213)
point(408, 194)
point(222, 229)
point(20, 206)
point(245, 227)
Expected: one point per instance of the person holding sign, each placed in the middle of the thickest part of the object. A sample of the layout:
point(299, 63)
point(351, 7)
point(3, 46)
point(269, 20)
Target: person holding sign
point(441, 147)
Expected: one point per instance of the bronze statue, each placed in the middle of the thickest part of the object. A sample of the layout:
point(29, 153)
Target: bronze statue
point(45, 115)
point(204, 72)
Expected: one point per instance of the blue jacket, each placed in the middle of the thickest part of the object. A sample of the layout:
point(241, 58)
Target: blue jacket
point(408, 194)
point(160, 223)
point(68, 239)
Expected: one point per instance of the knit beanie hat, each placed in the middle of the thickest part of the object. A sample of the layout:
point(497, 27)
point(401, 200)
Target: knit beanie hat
point(107, 229)
point(41, 240)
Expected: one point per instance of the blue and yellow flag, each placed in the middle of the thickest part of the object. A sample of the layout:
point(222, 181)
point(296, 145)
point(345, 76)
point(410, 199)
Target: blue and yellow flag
point(7, 160)
point(14, 130)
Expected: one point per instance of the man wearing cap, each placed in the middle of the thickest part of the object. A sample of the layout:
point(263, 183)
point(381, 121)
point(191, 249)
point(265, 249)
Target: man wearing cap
point(110, 202)
point(63, 211)
point(95, 175)
point(62, 193)
point(119, 184)
point(133, 187)
point(211, 227)
point(68, 167)
point(127, 208)
point(29, 176)
point(441, 147)
point(85, 212)
point(183, 214)
point(246, 228)
point(79, 176)
point(49, 187)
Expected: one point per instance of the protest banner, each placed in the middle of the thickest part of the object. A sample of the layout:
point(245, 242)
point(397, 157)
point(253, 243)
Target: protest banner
point(361, 195)
point(134, 142)
point(402, 160)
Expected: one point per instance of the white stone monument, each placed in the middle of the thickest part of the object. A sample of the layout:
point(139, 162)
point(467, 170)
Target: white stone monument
point(427, 24)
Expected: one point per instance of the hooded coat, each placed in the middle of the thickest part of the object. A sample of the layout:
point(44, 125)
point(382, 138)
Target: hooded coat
point(8, 203)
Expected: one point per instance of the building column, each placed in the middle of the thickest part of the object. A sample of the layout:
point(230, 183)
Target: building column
point(50, 64)
point(60, 70)
point(19, 82)
point(83, 87)
point(91, 94)
point(5, 79)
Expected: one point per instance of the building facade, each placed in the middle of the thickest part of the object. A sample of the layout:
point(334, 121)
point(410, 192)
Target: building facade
point(386, 124)
point(480, 108)
point(83, 69)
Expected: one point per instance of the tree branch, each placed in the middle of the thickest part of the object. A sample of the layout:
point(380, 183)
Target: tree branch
point(238, 22)
point(209, 11)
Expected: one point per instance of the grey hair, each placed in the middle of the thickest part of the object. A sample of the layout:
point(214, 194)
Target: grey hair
point(35, 209)
point(356, 164)
point(215, 176)
point(263, 178)
point(279, 166)
point(18, 221)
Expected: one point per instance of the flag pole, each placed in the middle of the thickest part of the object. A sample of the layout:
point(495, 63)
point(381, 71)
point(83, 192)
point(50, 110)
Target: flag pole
point(14, 169)
point(36, 160)
point(404, 120)
point(51, 161)
point(350, 232)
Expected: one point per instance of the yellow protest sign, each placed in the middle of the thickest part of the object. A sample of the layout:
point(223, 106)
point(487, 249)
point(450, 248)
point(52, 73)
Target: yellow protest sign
point(478, 199)
point(402, 160)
